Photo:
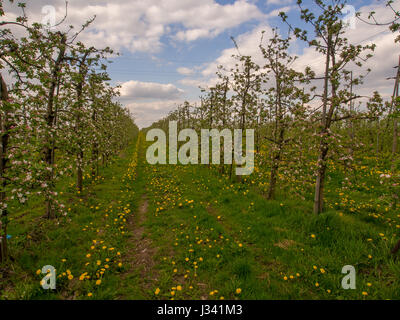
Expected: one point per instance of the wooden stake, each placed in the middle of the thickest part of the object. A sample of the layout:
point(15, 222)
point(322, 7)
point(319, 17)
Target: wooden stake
point(395, 122)
point(395, 134)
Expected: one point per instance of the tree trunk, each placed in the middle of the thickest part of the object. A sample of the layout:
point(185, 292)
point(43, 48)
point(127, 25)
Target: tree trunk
point(95, 162)
point(80, 172)
point(319, 184)
point(395, 121)
point(276, 162)
point(231, 170)
point(95, 148)
point(3, 162)
point(274, 170)
point(50, 118)
point(351, 124)
point(272, 181)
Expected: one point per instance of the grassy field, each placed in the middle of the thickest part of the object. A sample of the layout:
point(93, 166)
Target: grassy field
point(186, 232)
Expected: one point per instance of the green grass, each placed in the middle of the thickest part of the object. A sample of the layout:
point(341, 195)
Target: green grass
point(64, 243)
point(205, 237)
point(276, 238)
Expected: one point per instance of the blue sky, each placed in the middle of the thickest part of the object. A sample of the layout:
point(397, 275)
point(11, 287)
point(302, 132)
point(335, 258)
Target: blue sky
point(170, 47)
point(162, 66)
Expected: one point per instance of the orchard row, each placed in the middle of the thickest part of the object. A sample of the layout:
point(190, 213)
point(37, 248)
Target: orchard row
point(58, 113)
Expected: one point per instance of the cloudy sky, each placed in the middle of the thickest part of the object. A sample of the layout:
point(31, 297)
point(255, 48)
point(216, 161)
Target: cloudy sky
point(171, 47)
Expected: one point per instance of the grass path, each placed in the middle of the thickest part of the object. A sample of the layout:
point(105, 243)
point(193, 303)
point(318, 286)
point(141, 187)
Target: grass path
point(138, 279)
point(88, 247)
point(186, 232)
point(142, 251)
point(217, 239)
point(202, 258)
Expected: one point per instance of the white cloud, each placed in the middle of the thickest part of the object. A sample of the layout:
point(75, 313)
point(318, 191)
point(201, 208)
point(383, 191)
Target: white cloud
point(136, 90)
point(248, 44)
point(185, 71)
point(139, 25)
point(276, 2)
point(275, 13)
point(208, 19)
point(384, 59)
point(147, 113)
point(196, 83)
point(143, 25)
